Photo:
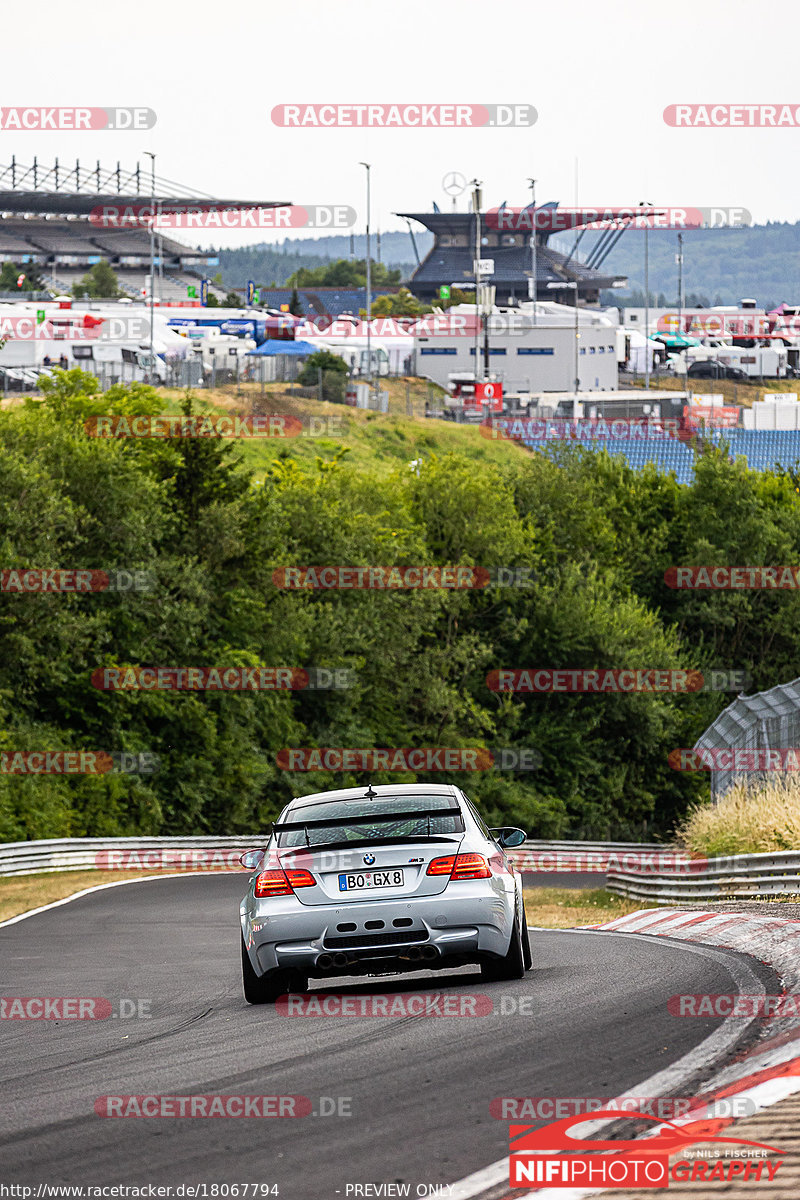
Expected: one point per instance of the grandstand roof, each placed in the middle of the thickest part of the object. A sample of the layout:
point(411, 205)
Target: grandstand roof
point(446, 264)
point(82, 203)
point(77, 190)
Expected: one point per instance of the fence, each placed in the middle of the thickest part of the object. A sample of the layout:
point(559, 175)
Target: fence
point(86, 854)
point(81, 854)
point(766, 721)
point(210, 371)
point(652, 872)
point(735, 877)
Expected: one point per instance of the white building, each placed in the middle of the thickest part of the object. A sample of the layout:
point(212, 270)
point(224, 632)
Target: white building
point(526, 355)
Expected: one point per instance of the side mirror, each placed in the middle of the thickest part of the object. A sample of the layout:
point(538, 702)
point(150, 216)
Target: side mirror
point(508, 836)
point(251, 859)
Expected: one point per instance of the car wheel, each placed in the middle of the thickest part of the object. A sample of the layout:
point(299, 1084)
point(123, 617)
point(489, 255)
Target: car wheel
point(510, 967)
point(266, 988)
point(526, 943)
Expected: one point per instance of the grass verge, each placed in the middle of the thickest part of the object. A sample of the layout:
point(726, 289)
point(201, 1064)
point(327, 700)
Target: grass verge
point(749, 819)
point(21, 893)
point(554, 908)
point(563, 908)
point(365, 440)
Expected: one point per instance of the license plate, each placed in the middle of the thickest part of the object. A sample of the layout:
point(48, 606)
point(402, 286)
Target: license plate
point(361, 881)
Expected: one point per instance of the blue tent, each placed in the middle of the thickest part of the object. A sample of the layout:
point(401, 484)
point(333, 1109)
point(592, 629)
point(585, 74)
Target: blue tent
point(275, 346)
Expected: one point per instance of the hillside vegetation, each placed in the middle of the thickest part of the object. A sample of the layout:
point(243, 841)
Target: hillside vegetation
point(210, 520)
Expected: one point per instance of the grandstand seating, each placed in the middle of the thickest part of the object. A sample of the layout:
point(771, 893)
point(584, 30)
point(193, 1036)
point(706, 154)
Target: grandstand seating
point(667, 454)
point(319, 300)
point(762, 448)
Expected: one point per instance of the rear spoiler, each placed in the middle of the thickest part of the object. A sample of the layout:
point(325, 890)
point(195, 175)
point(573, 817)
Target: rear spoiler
point(371, 818)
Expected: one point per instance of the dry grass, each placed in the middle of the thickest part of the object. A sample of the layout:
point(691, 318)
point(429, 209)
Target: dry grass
point(735, 391)
point(552, 908)
point(749, 819)
point(564, 908)
point(21, 893)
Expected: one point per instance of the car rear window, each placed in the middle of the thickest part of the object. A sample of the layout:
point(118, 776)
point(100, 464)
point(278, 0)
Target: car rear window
point(356, 824)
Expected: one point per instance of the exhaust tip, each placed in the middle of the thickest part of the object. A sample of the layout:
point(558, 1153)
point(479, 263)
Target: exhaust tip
point(324, 962)
point(340, 959)
point(429, 953)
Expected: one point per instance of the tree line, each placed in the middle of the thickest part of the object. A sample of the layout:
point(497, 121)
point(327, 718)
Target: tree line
point(589, 538)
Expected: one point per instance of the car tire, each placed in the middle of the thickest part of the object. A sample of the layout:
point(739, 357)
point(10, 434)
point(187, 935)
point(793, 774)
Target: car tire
point(512, 966)
point(526, 943)
point(266, 988)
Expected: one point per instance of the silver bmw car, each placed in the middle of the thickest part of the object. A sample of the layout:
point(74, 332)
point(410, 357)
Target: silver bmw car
point(380, 880)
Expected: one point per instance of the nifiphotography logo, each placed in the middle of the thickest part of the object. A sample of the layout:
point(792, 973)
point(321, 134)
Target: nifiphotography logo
point(553, 1157)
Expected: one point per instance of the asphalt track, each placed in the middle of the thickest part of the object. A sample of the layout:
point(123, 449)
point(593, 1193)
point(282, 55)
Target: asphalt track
point(419, 1087)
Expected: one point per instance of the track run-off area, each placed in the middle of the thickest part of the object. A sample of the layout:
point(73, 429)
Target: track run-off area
point(404, 1098)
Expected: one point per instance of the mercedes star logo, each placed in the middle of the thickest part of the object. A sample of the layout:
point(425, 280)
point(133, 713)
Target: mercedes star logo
point(454, 183)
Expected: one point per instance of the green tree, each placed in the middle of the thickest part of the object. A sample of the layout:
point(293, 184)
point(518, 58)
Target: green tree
point(403, 304)
point(10, 273)
point(345, 272)
point(99, 283)
point(334, 374)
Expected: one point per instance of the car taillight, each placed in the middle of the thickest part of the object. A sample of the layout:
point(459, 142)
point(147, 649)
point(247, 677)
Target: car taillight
point(298, 878)
point(282, 883)
point(460, 866)
point(471, 866)
point(441, 866)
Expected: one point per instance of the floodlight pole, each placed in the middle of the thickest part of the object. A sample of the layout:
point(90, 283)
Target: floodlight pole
point(680, 285)
point(476, 205)
point(369, 281)
point(152, 158)
point(646, 298)
point(532, 183)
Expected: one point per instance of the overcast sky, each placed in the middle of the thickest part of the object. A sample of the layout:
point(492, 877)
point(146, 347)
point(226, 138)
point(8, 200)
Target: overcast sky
point(599, 77)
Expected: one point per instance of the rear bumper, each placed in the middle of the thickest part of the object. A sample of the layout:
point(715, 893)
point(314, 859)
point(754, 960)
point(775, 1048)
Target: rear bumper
point(283, 933)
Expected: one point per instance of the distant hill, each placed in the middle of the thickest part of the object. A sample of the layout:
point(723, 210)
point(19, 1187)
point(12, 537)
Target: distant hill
point(721, 265)
point(268, 264)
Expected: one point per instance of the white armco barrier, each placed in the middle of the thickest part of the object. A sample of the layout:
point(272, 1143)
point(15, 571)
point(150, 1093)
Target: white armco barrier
point(734, 877)
point(220, 853)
